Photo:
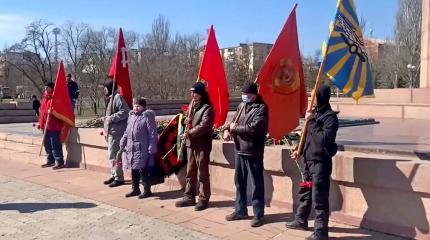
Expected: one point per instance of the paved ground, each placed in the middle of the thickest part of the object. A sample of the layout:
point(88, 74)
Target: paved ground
point(31, 211)
point(38, 203)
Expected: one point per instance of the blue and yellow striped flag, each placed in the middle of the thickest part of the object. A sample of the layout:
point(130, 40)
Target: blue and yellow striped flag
point(346, 61)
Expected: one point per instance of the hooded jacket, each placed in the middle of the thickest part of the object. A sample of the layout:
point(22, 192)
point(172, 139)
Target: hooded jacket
point(320, 142)
point(140, 140)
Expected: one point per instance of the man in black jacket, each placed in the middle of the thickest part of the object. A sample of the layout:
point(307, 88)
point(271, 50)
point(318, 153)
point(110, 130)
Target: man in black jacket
point(36, 105)
point(316, 163)
point(73, 90)
point(249, 134)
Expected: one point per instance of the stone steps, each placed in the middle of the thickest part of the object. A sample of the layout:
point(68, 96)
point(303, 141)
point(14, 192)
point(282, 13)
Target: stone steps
point(17, 119)
point(17, 112)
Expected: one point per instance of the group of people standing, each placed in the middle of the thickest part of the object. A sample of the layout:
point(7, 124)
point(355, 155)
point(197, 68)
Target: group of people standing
point(132, 133)
point(136, 135)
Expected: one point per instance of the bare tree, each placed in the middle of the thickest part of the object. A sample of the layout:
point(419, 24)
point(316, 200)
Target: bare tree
point(97, 63)
point(408, 37)
point(76, 40)
point(159, 38)
point(160, 66)
point(36, 51)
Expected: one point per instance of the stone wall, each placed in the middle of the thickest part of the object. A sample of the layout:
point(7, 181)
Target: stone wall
point(17, 112)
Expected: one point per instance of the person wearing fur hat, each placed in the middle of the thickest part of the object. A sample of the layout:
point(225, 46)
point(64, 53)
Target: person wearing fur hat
point(115, 123)
point(249, 135)
point(140, 144)
point(198, 140)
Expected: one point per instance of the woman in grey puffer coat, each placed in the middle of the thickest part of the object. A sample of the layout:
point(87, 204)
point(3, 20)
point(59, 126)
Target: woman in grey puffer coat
point(140, 144)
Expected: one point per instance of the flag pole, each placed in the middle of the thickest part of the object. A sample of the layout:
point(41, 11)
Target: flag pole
point(190, 108)
point(310, 108)
point(112, 96)
point(44, 132)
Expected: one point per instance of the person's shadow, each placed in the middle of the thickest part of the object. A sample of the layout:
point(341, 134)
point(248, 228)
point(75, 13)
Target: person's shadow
point(36, 207)
point(392, 204)
point(74, 149)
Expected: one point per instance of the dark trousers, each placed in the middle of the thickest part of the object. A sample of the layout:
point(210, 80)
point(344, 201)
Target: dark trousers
point(136, 176)
point(53, 147)
point(198, 170)
point(319, 173)
point(254, 166)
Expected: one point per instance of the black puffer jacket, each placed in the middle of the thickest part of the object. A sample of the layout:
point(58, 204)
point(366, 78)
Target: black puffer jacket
point(321, 135)
point(251, 130)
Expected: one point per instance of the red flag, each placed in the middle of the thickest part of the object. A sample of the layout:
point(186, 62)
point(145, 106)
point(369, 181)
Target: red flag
point(119, 70)
point(281, 81)
point(212, 71)
point(61, 105)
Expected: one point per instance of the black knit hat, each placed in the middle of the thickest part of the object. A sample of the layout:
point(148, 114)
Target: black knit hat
point(50, 84)
point(199, 88)
point(141, 101)
point(109, 84)
point(250, 88)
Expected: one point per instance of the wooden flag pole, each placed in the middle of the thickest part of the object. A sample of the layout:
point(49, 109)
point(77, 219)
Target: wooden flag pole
point(190, 108)
point(44, 132)
point(113, 96)
point(310, 109)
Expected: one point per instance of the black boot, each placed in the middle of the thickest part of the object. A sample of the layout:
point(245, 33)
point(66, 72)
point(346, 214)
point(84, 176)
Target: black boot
point(134, 192)
point(185, 202)
point(257, 221)
point(201, 205)
point(146, 192)
point(135, 177)
point(297, 225)
point(47, 165)
point(236, 216)
point(315, 236)
point(109, 181)
point(116, 183)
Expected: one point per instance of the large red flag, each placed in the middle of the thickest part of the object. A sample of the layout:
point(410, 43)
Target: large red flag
point(212, 71)
point(119, 70)
point(61, 105)
point(281, 81)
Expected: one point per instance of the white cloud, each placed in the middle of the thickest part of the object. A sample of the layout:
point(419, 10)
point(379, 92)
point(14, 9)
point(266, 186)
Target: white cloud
point(12, 28)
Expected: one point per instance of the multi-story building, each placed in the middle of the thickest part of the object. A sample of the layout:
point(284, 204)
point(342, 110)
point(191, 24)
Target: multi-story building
point(254, 54)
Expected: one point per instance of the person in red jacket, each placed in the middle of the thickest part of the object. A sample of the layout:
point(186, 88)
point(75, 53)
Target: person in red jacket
point(52, 142)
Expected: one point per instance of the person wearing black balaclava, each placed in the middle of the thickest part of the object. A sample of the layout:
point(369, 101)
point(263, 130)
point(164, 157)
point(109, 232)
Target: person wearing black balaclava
point(316, 163)
point(115, 123)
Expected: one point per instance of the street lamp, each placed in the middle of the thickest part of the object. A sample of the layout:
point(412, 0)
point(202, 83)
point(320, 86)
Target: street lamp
point(411, 69)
